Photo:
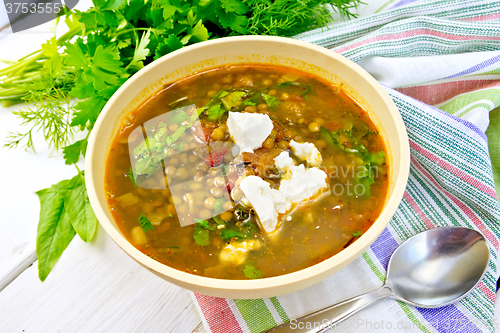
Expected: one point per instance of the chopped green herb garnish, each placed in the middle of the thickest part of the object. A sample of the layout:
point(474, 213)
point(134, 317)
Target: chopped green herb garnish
point(244, 231)
point(252, 272)
point(233, 99)
point(345, 141)
point(289, 84)
point(215, 112)
point(145, 223)
point(357, 234)
point(130, 175)
point(205, 224)
point(271, 100)
point(230, 233)
point(218, 220)
point(249, 102)
point(378, 158)
point(170, 215)
point(174, 103)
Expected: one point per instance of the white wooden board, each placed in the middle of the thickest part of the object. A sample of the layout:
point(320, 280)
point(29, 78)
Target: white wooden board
point(23, 173)
point(95, 288)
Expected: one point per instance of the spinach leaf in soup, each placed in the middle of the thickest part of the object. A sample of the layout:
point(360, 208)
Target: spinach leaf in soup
point(201, 235)
point(145, 223)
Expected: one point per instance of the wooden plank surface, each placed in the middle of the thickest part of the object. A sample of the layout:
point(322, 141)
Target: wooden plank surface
point(23, 173)
point(95, 288)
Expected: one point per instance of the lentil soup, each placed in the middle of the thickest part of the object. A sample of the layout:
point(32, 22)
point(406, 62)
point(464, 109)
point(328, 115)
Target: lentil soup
point(246, 171)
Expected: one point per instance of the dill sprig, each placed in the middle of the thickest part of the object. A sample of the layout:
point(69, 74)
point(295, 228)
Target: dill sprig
point(48, 110)
point(289, 18)
point(51, 117)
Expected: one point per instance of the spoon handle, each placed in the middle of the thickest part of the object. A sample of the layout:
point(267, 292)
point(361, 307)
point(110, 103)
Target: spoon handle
point(322, 320)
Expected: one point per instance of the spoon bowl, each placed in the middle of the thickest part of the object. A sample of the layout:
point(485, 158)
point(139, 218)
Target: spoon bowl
point(431, 269)
point(437, 267)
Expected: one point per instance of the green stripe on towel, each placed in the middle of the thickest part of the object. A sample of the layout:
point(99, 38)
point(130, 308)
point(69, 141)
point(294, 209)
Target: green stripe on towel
point(256, 314)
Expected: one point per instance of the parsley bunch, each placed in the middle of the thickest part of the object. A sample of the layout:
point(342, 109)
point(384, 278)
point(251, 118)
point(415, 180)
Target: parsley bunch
point(70, 79)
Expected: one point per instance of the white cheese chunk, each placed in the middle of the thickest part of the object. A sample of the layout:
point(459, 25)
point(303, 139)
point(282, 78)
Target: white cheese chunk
point(297, 185)
point(302, 184)
point(249, 130)
point(283, 161)
point(307, 151)
point(263, 200)
point(280, 203)
point(237, 252)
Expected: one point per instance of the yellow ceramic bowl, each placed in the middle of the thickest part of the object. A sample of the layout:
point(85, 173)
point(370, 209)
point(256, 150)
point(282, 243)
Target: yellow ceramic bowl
point(260, 50)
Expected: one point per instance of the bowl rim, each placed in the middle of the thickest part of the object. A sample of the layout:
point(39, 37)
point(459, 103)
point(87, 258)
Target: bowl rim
point(344, 257)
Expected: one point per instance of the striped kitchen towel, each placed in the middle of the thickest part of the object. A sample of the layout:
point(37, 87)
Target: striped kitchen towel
point(440, 62)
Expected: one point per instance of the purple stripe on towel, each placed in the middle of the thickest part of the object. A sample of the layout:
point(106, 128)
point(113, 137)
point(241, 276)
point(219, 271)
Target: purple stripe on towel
point(383, 247)
point(448, 319)
point(402, 3)
point(477, 67)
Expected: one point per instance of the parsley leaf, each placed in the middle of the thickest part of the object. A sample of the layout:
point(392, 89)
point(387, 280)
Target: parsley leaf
point(345, 141)
point(305, 87)
point(232, 21)
point(75, 56)
point(88, 111)
point(140, 53)
point(104, 68)
point(170, 44)
point(199, 32)
point(234, 6)
point(82, 89)
point(72, 152)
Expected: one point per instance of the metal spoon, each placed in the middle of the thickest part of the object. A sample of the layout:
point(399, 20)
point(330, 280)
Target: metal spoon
point(431, 269)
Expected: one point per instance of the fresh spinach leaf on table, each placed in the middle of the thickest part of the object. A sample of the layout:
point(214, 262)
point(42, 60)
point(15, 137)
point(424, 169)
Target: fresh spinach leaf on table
point(64, 211)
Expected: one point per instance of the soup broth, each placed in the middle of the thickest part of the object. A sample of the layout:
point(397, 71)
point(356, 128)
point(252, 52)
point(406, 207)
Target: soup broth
point(175, 175)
